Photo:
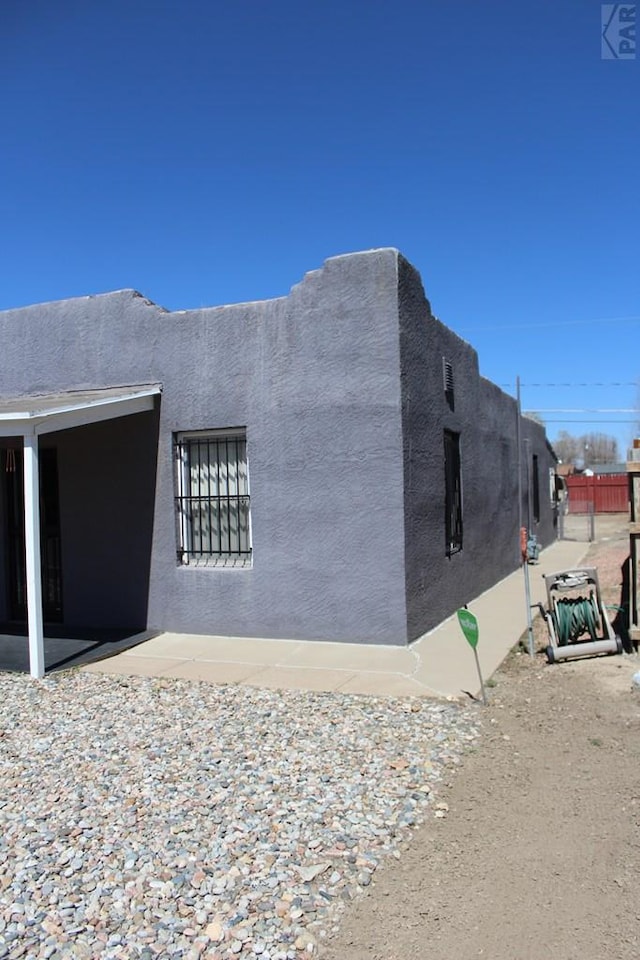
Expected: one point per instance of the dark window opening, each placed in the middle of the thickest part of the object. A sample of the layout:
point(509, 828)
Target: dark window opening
point(50, 543)
point(536, 489)
point(453, 493)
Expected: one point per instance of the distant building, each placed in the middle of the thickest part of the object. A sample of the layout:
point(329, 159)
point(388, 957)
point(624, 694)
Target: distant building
point(606, 469)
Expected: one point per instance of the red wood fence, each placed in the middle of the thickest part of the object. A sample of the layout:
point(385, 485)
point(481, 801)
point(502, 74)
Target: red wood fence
point(609, 493)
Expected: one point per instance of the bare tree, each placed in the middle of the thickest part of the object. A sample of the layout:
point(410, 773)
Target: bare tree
point(533, 415)
point(567, 447)
point(587, 449)
point(599, 448)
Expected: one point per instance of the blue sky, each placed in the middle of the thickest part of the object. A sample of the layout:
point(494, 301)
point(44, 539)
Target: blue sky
point(206, 152)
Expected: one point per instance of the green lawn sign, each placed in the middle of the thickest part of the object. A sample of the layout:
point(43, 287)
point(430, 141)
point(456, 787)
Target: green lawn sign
point(469, 626)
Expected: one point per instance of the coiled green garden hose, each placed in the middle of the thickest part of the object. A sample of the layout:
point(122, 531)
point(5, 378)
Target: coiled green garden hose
point(574, 616)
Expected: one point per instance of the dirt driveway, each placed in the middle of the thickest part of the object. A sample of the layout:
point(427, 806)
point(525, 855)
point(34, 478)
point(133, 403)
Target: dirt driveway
point(538, 855)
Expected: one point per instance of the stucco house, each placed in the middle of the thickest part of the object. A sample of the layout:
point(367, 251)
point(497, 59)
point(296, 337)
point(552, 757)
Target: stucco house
point(328, 465)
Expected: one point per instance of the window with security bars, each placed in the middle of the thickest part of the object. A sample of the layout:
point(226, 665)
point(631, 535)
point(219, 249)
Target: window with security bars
point(212, 502)
point(453, 493)
point(535, 477)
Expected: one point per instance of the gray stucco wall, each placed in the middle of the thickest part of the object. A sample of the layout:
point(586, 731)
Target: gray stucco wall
point(486, 420)
point(339, 387)
point(314, 378)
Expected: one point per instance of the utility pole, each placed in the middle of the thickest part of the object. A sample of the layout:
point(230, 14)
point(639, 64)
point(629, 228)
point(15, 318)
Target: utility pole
point(523, 553)
point(519, 446)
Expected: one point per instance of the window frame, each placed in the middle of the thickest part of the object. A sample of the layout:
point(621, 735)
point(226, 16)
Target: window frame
point(184, 442)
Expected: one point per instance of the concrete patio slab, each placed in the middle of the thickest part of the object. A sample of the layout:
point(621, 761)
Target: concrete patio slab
point(438, 664)
point(215, 671)
point(386, 685)
point(353, 657)
point(300, 678)
point(231, 649)
point(446, 662)
point(126, 665)
point(185, 646)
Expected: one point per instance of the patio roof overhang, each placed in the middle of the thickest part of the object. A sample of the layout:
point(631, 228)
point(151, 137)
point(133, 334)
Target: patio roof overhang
point(29, 417)
point(75, 408)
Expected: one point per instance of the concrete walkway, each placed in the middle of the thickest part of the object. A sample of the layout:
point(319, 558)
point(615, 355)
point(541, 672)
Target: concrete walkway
point(438, 664)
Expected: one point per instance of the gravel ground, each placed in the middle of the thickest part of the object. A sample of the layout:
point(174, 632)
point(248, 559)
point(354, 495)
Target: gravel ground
point(163, 818)
point(539, 854)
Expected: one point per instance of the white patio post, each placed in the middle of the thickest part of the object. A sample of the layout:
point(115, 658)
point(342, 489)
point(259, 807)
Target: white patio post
point(32, 552)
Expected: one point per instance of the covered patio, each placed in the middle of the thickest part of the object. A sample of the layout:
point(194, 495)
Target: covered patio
point(23, 421)
point(65, 647)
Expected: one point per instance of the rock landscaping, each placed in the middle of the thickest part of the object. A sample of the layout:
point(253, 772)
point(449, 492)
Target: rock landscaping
point(144, 818)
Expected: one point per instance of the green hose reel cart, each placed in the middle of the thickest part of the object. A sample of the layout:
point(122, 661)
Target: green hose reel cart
point(576, 618)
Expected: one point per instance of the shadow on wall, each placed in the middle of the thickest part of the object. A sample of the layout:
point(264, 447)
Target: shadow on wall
point(107, 476)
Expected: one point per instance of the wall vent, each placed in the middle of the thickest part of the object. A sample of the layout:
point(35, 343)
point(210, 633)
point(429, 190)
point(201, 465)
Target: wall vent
point(447, 377)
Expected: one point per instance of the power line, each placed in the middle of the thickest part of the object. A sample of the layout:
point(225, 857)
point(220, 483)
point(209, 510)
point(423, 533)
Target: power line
point(613, 383)
point(586, 410)
point(593, 422)
point(553, 323)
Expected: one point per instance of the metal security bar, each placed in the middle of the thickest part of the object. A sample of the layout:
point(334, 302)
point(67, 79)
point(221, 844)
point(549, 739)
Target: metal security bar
point(213, 502)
